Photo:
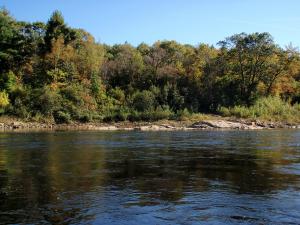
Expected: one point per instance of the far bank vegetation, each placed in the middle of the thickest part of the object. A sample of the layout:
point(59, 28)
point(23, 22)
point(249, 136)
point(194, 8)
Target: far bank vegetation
point(52, 72)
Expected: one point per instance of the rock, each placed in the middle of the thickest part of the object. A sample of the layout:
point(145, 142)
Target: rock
point(223, 124)
point(200, 125)
point(127, 128)
point(260, 123)
point(108, 128)
point(17, 125)
point(168, 126)
point(217, 124)
point(156, 127)
point(271, 125)
point(151, 127)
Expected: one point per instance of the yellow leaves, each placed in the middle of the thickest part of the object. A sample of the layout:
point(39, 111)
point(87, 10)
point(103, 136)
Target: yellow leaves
point(89, 101)
point(57, 75)
point(197, 74)
point(180, 68)
point(294, 68)
point(80, 62)
point(60, 52)
point(89, 58)
point(4, 100)
point(261, 88)
point(286, 84)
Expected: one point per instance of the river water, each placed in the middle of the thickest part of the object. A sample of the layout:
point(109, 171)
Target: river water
point(195, 177)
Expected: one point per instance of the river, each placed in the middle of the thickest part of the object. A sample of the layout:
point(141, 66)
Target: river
point(135, 177)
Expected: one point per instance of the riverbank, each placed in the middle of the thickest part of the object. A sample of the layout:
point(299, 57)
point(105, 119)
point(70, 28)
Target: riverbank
point(212, 122)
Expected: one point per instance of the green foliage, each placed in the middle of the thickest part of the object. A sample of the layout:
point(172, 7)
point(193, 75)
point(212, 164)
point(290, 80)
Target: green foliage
point(45, 101)
point(56, 28)
point(73, 94)
point(56, 75)
point(85, 117)
point(183, 114)
point(251, 59)
point(95, 84)
point(8, 81)
point(4, 100)
point(143, 101)
point(268, 108)
point(62, 117)
point(117, 94)
point(158, 114)
point(117, 114)
point(54, 72)
point(16, 43)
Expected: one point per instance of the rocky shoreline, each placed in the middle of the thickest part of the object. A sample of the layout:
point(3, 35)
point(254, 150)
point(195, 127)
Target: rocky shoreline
point(148, 126)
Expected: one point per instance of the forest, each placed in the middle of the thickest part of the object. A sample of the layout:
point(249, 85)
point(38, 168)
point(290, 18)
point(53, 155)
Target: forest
point(52, 72)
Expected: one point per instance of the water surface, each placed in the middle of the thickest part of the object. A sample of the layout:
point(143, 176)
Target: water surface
point(198, 177)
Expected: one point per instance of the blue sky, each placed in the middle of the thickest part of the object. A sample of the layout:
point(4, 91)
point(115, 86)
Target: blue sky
point(186, 21)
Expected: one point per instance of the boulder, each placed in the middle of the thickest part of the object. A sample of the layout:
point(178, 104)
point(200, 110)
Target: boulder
point(17, 125)
point(223, 124)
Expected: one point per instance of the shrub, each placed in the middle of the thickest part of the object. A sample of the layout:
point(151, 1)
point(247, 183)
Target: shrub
point(20, 107)
point(85, 118)
point(4, 100)
point(46, 101)
point(118, 114)
point(268, 108)
point(73, 94)
point(161, 113)
point(8, 81)
point(152, 115)
point(118, 94)
point(121, 114)
point(134, 116)
point(62, 117)
point(183, 114)
point(143, 101)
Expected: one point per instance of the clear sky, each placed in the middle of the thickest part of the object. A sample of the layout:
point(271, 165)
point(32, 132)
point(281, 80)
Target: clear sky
point(186, 21)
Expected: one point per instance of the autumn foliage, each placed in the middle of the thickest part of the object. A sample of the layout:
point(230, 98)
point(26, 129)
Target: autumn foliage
point(56, 72)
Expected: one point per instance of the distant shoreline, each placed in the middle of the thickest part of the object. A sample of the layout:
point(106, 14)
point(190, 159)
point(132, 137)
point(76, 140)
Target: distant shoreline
point(217, 123)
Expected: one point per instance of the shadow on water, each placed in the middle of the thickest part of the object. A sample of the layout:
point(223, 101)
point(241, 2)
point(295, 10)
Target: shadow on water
point(150, 177)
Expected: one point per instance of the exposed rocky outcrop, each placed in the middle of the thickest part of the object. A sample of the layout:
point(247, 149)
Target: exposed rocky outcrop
point(224, 124)
point(240, 124)
point(157, 127)
point(146, 126)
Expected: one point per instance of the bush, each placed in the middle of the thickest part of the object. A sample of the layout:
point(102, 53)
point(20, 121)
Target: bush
point(158, 114)
point(134, 116)
point(143, 101)
point(46, 101)
point(73, 94)
point(19, 108)
point(118, 114)
point(162, 113)
point(183, 114)
point(8, 81)
point(268, 108)
point(118, 94)
point(4, 100)
point(122, 114)
point(62, 117)
point(85, 118)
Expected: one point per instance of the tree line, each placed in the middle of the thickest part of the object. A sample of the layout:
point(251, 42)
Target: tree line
point(55, 72)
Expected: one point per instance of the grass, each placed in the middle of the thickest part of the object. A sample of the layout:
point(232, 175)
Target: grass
point(38, 119)
point(269, 109)
point(272, 109)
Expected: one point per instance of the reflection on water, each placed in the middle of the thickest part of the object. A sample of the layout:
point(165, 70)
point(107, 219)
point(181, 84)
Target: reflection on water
point(200, 177)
